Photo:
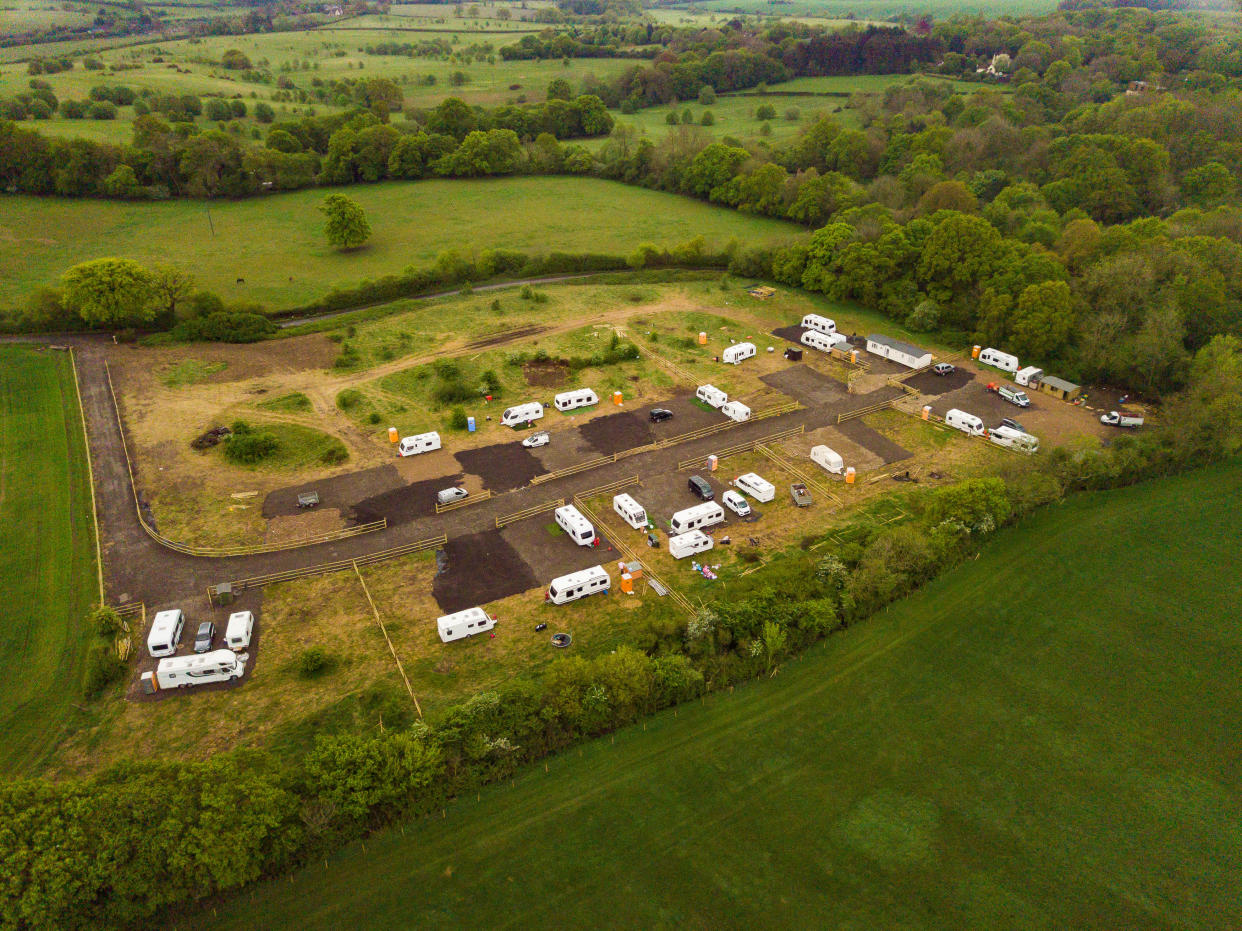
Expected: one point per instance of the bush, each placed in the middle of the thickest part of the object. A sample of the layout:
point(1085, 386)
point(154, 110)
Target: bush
point(250, 448)
point(106, 621)
point(103, 111)
point(765, 112)
point(225, 327)
point(350, 398)
point(103, 667)
point(707, 95)
point(313, 661)
point(708, 119)
point(793, 114)
point(458, 420)
point(334, 455)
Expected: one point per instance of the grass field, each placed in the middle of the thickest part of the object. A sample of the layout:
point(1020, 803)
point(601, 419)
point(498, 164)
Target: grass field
point(48, 568)
point(1044, 737)
point(277, 245)
point(870, 9)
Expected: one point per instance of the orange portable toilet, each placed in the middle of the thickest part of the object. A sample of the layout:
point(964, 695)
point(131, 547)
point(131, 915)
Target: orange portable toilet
point(616, 398)
point(392, 435)
point(849, 476)
point(712, 463)
point(926, 411)
point(702, 338)
point(974, 351)
point(627, 583)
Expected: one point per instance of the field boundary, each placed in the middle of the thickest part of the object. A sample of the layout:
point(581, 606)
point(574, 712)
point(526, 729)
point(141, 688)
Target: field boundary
point(90, 475)
point(744, 447)
point(796, 472)
point(611, 486)
point(387, 639)
point(864, 411)
point(505, 519)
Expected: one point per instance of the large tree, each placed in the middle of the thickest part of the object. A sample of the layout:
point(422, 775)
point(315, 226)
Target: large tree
point(109, 292)
point(347, 226)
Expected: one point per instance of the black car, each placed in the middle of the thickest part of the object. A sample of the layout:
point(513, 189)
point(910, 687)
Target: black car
point(659, 414)
point(206, 634)
point(701, 488)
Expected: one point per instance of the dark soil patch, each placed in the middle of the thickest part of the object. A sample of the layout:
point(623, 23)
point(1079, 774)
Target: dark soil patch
point(480, 568)
point(404, 504)
point(502, 467)
point(550, 373)
point(934, 385)
point(791, 333)
point(873, 440)
point(806, 385)
point(339, 491)
point(616, 432)
point(504, 336)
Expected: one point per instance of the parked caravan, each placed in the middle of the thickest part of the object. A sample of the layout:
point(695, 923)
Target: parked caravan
point(824, 342)
point(997, 359)
point(697, 517)
point(630, 511)
point(687, 544)
point(758, 488)
point(464, 624)
point(736, 410)
point(238, 631)
point(165, 632)
point(734, 501)
point(419, 443)
point(819, 323)
point(577, 585)
point(1029, 377)
point(521, 414)
point(570, 519)
point(178, 672)
point(828, 459)
point(710, 394)
point(967, 423)
point(571, 400)
point(1014, 439)
point(738, 352)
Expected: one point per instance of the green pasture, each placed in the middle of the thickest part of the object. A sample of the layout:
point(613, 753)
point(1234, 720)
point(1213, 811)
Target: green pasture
point(27, 17)
point(47, 564)
point(863, 10)
point(277, 247)
point(1042, 738)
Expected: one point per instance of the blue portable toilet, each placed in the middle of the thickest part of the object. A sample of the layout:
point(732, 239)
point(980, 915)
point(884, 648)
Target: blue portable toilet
point(470, 424)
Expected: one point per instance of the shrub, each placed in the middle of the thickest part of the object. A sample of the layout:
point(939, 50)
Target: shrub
point(708, 119)
point(106, 621)
point(374, 418)
point(103, 111)
point(793, 114)
point(765, 112)
point(334, 454)
point(225, 327)
point(458, 420)
point(103, 667)
point(250, 448)
point(313, 661)
point(350, 398)
point(707, 95)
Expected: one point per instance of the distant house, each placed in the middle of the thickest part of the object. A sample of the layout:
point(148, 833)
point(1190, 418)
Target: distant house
point(895, 350)
point(1138, 88)
point(1059, 388)
point(998, 67)
point(333, 10)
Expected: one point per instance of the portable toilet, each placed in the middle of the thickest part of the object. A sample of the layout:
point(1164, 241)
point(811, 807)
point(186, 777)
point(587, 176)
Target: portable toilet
point(849, 476)
point(392, 435)
point(616, 398)
point(627, 583)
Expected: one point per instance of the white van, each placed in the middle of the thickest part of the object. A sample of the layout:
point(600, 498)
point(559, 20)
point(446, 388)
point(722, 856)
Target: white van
point(687, 544)
point(419, 443)
point(239, 629)
point(464, 624)
point(828, 459)
point(710, 394)
point(734, 501)
point(165, 632)
point(578, 585)
point(216, 666)
point(738, 352)
point(822, 324)
point(824, 342)
point(697, 517)
point(521, 414)
point(630, 510)
point(579, 397)
point(967, 423)
point(1014, 439)
point(737, 411)
point(570, 519)
point(757, 487)
point(1001, 360)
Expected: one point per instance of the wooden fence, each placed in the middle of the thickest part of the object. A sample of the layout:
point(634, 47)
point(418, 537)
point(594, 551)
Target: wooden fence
point(742, 447)
point(797, 473)
point(505, 519)
point(464, 502)
point(864, 411)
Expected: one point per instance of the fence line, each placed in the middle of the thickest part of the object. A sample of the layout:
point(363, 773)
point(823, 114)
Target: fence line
point(611, 486)
point(864, 411)
point(516, 516)
point(387, 639)
point(573, 469)
point(90, 474)
point(464, 502)
point(797, 473)
point(744, 447)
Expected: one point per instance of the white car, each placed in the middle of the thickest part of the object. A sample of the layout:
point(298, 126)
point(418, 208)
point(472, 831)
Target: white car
point(449, 495)
point(542, 438)
point(734, 501)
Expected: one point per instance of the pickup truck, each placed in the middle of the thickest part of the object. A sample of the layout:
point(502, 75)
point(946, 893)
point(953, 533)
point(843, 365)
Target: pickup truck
point(1012, 395)
point(1116, 419)
point(801, 497)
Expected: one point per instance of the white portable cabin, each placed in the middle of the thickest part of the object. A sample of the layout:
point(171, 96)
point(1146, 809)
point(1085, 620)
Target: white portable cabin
point(710, 394)
point(419, 443)
point(238, 631)
point(571, 520)
point(1014, 439)
point(464, 624)
point(820, 323)
point(697, 517)
point(824, 342)
point(165, 632)
point(579, 397)
point(687, 544)
point(736, 410)
point(738, 352)
point(828, 459)
point(630, 510)
point(521, 414)
point(577, 585)
point(997, 359)
point(1029, 377)
point(895, 350)
point(216, 666)
point(967, 423)
point(756, 486)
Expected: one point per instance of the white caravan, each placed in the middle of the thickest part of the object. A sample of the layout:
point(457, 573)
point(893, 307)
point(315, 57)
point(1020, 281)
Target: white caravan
point(1014, 439)
point(464, 624)
point(824, 342)
point(419, 443)
point(630, 511)
point(1029, 377)
point(820, 323)
point(757, 487)
point(239, 630)
point(736, 411)
point(687, 544)
point(571, 520)
point(577, 585)
point(997, 359)
point(697, 517)
point(521, 414)
point(579, 397)
point(738, 352)
point(828, 459)
point(967, 423)
point(179, 672)
point(710, 394)
point(165, 632)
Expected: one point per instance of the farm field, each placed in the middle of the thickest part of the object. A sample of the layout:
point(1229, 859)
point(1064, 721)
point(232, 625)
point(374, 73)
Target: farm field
point(276, 245)
point(990, 752)
point(874, 10)
point(49, 570)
